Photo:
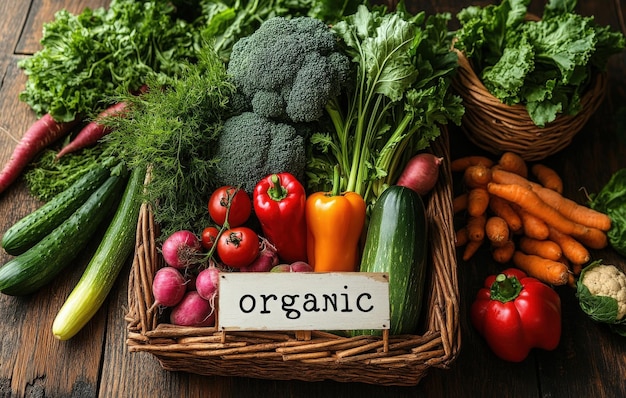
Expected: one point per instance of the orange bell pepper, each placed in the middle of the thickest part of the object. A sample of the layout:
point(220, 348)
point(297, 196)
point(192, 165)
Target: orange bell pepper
point(334, 225)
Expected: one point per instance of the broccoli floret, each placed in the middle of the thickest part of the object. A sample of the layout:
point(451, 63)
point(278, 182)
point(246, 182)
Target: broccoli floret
point(289, 68)
point(251, 147)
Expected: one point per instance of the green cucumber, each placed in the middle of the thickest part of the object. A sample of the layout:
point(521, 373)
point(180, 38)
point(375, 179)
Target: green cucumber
point(37, 266)
point(94, 286)
point(29, 230)
point(397, 243)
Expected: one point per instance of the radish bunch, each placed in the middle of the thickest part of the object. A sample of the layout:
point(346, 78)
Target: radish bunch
point(183, 286)
point(187, 285)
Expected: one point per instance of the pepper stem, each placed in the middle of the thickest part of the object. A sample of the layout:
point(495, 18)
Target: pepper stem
point(277, 191)
point(505, 288)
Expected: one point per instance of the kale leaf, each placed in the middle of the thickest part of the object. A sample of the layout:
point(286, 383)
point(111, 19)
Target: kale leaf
point(547, 64)
point(611, 200)
point(88, 57)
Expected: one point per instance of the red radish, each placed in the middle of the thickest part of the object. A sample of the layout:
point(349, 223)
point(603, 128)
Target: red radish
point(181, 249)
point(267, 258)
point(207, 282)
point(301, 266)
point(193, 310)
point(421, 173)
point(42, 133)
point(168, 287)
point(298, 266)
point(93, 131)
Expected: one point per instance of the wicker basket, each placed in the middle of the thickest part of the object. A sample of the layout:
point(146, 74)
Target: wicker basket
point(316, 355)
point(497, 127)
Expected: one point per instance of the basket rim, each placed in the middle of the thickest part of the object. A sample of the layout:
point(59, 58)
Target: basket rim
point(498, 127)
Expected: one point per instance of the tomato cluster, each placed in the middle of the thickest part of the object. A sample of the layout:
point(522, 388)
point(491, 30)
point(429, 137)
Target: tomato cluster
point(237, 245)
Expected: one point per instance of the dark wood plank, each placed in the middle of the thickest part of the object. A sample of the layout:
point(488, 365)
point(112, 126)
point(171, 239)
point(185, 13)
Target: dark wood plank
point(42, 11)
point(13, 16)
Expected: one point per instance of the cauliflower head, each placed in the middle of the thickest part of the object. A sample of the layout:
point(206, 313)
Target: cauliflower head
point(607, 281)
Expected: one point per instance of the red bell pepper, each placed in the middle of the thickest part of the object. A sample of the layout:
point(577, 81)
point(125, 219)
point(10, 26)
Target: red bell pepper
point(515, 313)
point(278, 202)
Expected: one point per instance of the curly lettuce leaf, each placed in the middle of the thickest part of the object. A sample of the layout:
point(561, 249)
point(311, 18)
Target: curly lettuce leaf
point(546, 65)
point(611, 200)
point(507, 77)
point(88, 57)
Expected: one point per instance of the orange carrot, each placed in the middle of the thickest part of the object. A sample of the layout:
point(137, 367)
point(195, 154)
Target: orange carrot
point(572, 249)
point(578, 213)
point(576, 269)
point(502, 176)
point(477, 201)
point(462, 237)
point(471, 248)
point(459, 203)
point(593, 238)
point(477, 176)
point(503, 209)
point(532, 226)
point(528, 200)
point(547, 177)
point(547, 271)
point(571, 280)
point(542, 248)
point(463, 163)
point(504, 253)
point(476, 227)
point(514, 163)
point(497, 231)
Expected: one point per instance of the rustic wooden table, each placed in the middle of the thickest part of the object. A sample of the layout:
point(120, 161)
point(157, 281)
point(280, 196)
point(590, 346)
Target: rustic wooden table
point(590, 361)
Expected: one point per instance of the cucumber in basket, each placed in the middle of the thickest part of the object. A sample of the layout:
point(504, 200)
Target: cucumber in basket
point(397, 243)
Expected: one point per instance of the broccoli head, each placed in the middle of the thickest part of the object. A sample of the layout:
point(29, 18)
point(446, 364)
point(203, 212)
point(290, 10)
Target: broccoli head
point(251, 147)
point(289, 68)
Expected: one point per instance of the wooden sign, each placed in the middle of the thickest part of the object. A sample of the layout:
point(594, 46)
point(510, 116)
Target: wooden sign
point(303, 301)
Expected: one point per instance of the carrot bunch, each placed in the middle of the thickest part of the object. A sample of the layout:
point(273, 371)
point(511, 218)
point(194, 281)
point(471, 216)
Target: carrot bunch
point(521, 213)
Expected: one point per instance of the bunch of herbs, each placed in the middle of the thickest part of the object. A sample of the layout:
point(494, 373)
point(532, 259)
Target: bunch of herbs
point(172, 129)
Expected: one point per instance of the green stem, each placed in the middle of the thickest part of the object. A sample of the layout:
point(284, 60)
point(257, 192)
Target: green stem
point(336, 191)
point(505, 288)
point(276, 192)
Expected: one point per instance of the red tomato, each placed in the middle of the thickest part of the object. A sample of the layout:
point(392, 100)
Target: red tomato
point(238, 247)
point(209, 236)
point(240, 206)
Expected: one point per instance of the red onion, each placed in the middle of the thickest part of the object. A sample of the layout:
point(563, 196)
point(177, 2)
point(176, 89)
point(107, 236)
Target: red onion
point(421, 173)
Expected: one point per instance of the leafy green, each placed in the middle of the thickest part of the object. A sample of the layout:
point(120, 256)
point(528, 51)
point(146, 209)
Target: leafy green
point(172, 129)
point(546, 65)
point(611, 200)
point(92, 56)
point(89, 57)
point(403, 68)
point(226, 21)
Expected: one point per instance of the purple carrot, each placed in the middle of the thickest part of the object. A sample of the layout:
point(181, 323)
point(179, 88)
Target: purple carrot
point(93, 131)
point(41, 134)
